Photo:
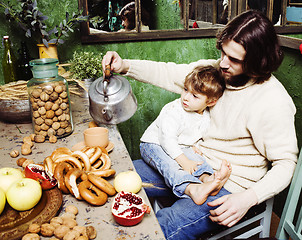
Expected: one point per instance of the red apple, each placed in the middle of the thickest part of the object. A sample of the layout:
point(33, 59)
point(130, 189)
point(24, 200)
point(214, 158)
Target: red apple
point(2, 200)
point(8, 176)
point(24, 194)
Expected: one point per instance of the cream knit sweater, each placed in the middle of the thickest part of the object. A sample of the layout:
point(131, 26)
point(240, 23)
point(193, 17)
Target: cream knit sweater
point(251, 126)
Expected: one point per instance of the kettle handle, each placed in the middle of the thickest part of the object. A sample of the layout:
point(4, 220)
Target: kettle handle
point(107, 72)
point(106, 79)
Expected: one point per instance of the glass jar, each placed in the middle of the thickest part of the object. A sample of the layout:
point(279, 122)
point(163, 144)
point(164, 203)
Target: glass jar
point(49, 99)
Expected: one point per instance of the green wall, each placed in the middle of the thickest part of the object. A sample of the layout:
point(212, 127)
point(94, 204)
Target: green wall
point(180, 51)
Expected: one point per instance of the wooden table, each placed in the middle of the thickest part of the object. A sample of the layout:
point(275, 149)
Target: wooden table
point(100, 217)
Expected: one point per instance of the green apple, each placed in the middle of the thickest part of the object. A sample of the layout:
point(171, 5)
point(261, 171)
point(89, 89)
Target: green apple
point(24, 194)
point(2, 200)
point(128, 181)
point(8, 176)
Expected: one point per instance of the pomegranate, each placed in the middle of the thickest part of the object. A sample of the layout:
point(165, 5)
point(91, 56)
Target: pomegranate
point(128, 209)
point(39, 173)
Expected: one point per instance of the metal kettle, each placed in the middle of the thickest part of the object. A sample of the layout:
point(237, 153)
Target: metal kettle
point(111, 100)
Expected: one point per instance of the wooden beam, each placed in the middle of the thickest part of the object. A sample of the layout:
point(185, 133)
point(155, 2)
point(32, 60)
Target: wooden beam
point(290, 42)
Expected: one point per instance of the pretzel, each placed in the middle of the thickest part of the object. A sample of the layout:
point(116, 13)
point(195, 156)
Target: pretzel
point(92, 194)
point(84, 158)
point(102, 184)
point(71, 181)
point(61, 169)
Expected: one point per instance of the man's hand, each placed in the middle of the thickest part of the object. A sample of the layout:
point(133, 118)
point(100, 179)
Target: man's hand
point(232, 207)
point(118, 65)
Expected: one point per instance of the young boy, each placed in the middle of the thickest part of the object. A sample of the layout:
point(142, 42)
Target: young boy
point(167, 144)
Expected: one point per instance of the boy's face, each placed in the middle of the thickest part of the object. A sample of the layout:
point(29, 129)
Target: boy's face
point(193, 102)
point(232, 56)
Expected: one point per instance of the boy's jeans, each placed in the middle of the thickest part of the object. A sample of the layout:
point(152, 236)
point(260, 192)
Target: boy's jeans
point(184, 219)
point(175, 177)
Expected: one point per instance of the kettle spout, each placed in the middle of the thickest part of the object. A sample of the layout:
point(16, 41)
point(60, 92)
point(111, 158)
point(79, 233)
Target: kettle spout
point(107, 114)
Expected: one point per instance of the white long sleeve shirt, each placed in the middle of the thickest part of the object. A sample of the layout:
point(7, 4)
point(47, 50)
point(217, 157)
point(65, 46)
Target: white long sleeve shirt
point(251, 126)
point(174, 128)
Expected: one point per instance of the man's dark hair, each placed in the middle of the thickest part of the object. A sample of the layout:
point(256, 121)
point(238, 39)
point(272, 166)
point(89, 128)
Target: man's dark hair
point(255, 32)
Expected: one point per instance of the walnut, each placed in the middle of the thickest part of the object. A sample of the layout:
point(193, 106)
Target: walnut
point(48, 89)
point(42, 110)
point(48, 105)
point(20, 161)
point(36, 92)
point(59, 89)
point(61, 231)
point(31, 236)
point(47, 230)
point(39, 121)
point(34, 228)
point(59, 112)
point(26, 149)
point(63, 106)
point(39, 138)
point(63, 95)
point(27, 162)
point(70, 222)
point(49, 122)
point(60, 131)
point(68, 129)
point(14, 153)
point(80, 229)
point(54, 96)
point(56, 221)
point(35, 106)
point(68, 215)
point(55, 107)
point(64, 124)
point(72, 209)
point(56, 125)
point(91, 232)
point(41, 103)
point(32, 136)
point(50, 114)
point(44, 127)
point(51, 132)
point(52, 139)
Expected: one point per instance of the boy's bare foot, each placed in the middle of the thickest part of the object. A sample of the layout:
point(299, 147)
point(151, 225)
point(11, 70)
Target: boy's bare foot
point(211, 185)
point(199, 192)
point(223, 173)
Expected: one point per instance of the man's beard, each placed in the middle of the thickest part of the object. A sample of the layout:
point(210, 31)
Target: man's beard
point(238, 80)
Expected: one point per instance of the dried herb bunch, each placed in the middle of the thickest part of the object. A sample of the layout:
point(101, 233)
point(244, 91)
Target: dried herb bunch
point(86, 65)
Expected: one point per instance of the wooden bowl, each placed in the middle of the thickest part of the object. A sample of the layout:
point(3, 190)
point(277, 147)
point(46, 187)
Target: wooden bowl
point(15, 111)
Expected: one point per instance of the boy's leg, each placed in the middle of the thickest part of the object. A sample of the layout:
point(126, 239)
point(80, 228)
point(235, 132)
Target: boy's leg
point(184, 219)
point(172, 173)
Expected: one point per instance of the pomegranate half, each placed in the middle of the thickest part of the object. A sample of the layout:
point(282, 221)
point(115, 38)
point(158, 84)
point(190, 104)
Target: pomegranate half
point(128, 209)
point(44, 177)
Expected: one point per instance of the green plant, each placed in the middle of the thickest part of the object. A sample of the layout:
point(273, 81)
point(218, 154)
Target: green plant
point(86, 65)
point(28, 16)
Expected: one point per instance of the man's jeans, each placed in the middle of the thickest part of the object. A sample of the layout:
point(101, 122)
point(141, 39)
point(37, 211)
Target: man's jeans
point(184, 219)
point(175, 177)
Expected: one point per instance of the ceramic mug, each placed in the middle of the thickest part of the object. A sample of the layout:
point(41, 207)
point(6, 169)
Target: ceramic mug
point(97, 136)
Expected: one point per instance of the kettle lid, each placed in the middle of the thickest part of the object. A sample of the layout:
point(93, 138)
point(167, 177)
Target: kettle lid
point(109, 87)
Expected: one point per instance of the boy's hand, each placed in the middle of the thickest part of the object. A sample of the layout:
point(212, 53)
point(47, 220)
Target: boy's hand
point(187, 165)
point(196, 150)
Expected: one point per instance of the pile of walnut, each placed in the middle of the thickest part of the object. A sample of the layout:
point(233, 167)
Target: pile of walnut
point(50, 109)
point(80, 173)
point(63, 227)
